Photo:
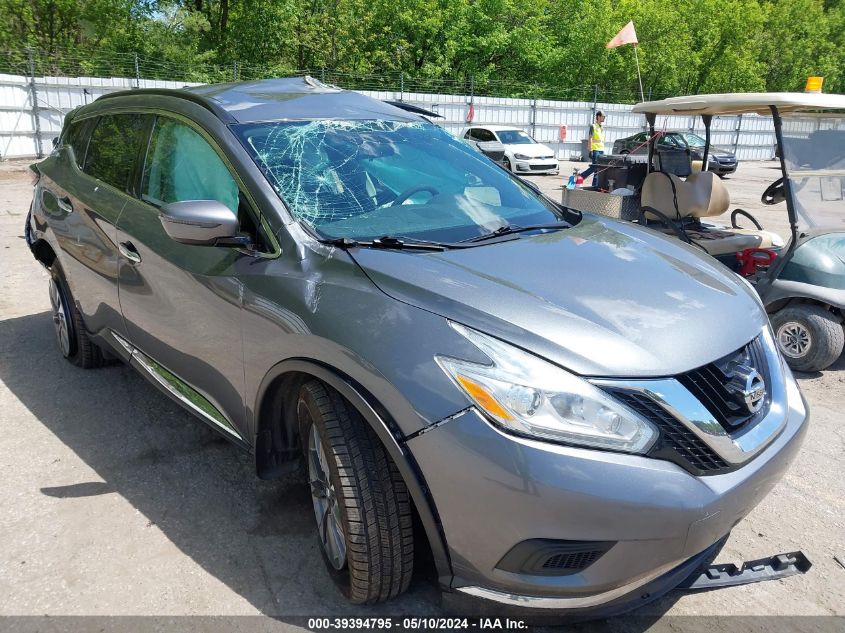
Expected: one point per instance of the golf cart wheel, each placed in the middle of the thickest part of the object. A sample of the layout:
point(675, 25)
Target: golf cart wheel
point(809, 337)
point(361, 504)
point(71, 336)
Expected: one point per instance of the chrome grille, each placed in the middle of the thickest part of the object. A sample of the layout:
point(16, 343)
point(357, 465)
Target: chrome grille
point(704, 416)
point(712, 385)
point(677, 443)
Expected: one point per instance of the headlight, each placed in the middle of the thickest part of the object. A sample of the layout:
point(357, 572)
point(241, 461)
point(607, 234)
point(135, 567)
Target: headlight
point(523, 394)
point(521, 157)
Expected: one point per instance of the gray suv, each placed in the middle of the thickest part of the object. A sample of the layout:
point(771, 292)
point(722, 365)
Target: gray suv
point(569, 413)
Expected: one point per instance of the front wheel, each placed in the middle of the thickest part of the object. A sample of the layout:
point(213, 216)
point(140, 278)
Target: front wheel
point(361, 503)
point(809, 337)
point(506, 163)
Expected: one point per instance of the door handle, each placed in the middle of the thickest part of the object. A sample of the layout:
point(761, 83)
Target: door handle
point(127, 249)
point(65, 204)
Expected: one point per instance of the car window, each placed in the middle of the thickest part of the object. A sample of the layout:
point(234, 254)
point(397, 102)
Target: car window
point(693, 140)
point(113, 147)
point(484, 135)
point(366, 179)
point(470, 134)
point(181, 165)
point(75, 140)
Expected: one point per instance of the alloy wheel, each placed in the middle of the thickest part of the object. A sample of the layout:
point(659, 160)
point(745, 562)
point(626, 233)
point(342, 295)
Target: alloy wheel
point(60, 317)
point(794, 339)
point(326, 508)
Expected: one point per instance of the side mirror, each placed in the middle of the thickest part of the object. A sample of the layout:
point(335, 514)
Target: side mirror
point(202, 223)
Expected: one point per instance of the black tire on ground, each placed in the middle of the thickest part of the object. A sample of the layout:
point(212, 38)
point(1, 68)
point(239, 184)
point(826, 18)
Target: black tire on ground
point(506, 163)
point(374, 506)
point(810, 337)
point(73, 340)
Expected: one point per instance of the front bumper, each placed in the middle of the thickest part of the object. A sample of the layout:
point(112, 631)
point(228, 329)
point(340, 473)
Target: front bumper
point(476, 600)
point(536, 166)
point(493, 491)
point(724, 168)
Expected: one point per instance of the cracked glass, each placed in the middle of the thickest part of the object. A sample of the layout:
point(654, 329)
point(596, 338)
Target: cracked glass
point(367, 179)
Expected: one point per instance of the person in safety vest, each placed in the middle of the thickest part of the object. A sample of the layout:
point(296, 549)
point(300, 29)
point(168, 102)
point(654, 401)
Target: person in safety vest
point(596, 146)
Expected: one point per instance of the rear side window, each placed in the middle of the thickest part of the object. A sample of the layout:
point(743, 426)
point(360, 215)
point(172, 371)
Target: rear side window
point(181, 165)
point(113, 147)
point(75, 140)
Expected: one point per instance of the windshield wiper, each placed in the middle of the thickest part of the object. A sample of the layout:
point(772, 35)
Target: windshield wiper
point(510, 229)
point(388, 241)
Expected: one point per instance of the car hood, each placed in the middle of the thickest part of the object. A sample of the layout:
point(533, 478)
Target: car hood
point(534, 150)
point(721, 151)
point(602, 298)
point(714, 151)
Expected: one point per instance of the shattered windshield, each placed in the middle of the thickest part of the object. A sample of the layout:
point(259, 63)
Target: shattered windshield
point(814, 152)
point(366, 179)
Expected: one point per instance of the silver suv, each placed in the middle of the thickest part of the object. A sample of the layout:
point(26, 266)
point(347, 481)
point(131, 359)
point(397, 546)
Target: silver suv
point(569, 412)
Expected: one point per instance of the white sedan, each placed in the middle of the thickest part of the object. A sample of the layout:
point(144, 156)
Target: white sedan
point(523, 155)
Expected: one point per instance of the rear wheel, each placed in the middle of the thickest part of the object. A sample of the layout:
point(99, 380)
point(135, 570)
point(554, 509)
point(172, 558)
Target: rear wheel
point(361, 504)
point(73, 340)
point(809, 337)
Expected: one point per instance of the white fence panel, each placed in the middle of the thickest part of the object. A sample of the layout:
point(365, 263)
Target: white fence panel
point(24, 123)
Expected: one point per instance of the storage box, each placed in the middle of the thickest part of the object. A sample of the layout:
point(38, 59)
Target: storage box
point(594, 201)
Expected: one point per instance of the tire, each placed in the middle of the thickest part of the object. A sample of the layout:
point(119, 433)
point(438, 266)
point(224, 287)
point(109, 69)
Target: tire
point(506, 163)
point(624, 152)
point(362, 503)
point(809, 337)
point(73, 340)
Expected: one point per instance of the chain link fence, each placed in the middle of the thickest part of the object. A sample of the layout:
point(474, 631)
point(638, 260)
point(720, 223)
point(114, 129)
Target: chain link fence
point(37, 89)
point(107, 63)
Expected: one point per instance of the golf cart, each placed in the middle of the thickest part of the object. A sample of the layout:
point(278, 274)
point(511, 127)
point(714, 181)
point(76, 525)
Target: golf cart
point(802, 284)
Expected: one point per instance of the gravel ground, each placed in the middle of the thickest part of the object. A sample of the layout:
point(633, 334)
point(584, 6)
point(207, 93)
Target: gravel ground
point(116, 502)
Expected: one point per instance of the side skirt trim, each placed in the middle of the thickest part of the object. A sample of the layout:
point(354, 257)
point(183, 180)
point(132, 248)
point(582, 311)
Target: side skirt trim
point(179, 389)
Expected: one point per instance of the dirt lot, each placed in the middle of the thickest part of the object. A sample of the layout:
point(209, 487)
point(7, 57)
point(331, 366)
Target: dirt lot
point(116, 502)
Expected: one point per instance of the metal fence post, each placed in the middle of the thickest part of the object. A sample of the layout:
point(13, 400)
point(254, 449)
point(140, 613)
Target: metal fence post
point(534, 117)
point(738, 128)
point(234, 70)
point(33, 95)
point(137, 71)
point(595, 102)
point(401, 85)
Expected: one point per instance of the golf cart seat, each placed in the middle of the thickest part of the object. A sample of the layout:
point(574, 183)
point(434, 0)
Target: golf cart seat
point(684, 203)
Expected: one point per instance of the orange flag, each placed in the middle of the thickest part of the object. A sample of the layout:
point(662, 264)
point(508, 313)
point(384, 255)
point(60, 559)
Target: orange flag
point(626, 36)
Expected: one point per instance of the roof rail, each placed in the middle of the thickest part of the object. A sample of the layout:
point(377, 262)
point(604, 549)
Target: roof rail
point(208, 104)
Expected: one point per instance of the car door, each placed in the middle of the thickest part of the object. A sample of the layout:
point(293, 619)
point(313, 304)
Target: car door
point(182, 303)
point(83, 200)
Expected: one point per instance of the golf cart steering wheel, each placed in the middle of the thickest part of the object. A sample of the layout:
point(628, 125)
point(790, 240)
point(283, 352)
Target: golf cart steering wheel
point(774, 193)
point(410, 191)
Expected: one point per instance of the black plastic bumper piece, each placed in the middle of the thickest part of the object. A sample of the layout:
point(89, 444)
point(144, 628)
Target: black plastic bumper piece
point(729, 575)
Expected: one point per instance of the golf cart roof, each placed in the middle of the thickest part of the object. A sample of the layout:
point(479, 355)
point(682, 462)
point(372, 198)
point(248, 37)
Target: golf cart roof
point(740, 103)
